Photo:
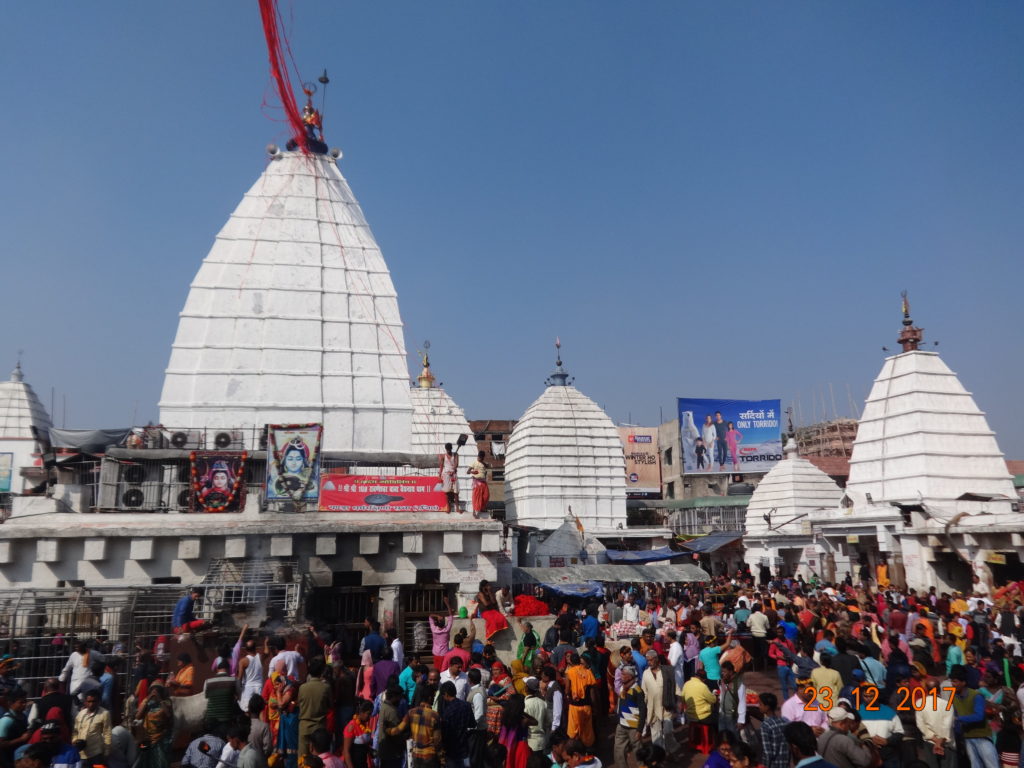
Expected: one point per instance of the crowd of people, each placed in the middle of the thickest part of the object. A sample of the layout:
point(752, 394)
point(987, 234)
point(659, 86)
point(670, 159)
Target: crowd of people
point(784, 674)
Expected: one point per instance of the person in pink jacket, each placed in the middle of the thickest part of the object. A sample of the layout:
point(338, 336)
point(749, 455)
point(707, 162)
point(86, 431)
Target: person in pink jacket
point(733, 438)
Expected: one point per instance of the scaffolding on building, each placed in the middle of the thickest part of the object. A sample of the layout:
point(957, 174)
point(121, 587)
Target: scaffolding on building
point(827, 438)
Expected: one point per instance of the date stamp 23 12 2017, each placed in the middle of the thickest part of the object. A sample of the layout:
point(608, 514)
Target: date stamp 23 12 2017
point(867, 698)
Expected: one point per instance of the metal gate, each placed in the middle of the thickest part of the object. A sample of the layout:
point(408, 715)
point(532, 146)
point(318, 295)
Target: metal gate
point(38, 627)
point(415, 604)
point(343, 610)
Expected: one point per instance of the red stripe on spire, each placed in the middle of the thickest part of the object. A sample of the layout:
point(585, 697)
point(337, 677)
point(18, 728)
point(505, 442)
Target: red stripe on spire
point(273, 31)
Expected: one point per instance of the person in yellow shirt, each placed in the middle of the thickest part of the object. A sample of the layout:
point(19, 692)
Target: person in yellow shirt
point(825, 677)
point(579, 681)
point(700, 701)
point(882, 575)
point(958, 604)
point(92, 732)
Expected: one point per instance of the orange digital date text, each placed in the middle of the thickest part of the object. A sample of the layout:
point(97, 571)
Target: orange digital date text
point(867, 699)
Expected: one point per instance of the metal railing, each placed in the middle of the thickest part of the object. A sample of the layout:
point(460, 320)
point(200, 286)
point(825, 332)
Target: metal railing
point(700, 520)
point(246, 438)
point(164, 484)
point(39, 627)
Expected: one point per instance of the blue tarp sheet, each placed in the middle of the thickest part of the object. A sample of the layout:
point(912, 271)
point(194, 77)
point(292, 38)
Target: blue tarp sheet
point(642, 556)
point(713, 541)
point(587, 589)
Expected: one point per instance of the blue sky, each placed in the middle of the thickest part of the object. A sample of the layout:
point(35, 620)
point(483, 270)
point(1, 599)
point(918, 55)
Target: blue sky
point(700, 199)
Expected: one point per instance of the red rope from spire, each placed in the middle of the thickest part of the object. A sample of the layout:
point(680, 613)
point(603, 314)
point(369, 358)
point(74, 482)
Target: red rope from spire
point(272, 29)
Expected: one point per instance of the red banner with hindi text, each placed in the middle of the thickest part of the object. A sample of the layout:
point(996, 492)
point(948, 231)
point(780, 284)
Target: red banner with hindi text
point(380, 493)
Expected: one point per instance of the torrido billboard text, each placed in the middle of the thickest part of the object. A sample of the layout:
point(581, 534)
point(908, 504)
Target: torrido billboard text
point(729, 435)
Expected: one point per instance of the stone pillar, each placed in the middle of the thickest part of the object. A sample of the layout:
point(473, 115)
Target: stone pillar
point(897, 571)
point(465, 593)
point(387, 607)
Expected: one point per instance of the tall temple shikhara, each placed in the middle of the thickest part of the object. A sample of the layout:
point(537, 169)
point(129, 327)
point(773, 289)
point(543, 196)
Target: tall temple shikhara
point(292, 317)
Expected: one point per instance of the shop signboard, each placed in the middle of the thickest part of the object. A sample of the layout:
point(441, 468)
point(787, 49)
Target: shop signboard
point(6, 471)
point(643, 462)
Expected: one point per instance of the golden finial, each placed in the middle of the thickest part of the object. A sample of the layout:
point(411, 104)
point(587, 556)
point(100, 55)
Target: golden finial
point(426, 378)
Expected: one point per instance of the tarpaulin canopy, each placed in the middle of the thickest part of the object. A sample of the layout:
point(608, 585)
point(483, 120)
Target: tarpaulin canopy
point(642, 556)
point(713, 541)
point(587, 589)
point(577, 574)
point(87, 440)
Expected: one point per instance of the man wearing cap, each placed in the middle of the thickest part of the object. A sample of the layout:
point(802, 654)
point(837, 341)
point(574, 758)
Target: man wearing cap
point(64, 755)
point(632, 711)
point(13, 728)
point(970, 723)
point(839, 746)
point(535, 707)
point(92, 731)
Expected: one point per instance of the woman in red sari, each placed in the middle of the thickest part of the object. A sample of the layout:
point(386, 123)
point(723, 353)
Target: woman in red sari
point(488, 606)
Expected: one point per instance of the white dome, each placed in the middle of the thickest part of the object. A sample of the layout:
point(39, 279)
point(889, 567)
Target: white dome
point(923, 437)
point(293, 318)
point(793, 488)
point(564, 452)
point(20, 410)
point(436, 420)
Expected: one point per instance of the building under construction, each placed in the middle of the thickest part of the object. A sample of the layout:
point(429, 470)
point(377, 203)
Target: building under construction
point(827, 438)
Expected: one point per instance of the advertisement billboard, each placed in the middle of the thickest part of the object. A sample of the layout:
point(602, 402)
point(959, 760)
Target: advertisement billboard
point(729, 435)
point(6, 470)
point(381, 493)
point(643, 463)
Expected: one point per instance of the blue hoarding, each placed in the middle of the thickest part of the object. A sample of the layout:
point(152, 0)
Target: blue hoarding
point(729, 435)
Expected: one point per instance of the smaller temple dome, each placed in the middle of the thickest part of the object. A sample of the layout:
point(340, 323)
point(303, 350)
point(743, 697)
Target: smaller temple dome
point(20, 409)
point(788, 495)
point(436, 420)
point(922, 438)
point(565, 452)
